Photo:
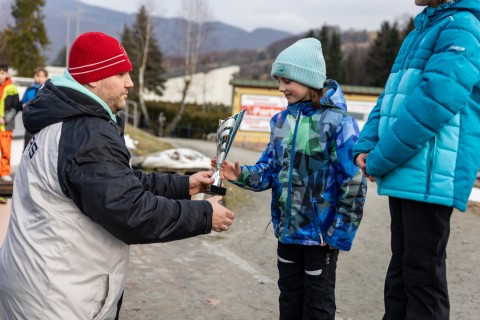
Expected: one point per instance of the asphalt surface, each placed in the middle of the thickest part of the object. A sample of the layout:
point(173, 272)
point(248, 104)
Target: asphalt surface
point(232, 275)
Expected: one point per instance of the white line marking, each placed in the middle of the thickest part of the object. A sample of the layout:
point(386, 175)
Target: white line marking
point(236, 260)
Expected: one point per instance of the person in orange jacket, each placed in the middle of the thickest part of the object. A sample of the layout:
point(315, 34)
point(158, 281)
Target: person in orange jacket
point(8, 109)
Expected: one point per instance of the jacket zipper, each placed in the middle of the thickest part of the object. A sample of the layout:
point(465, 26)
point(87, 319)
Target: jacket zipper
point(292, 154)
point(431, 155)
point(315, 219)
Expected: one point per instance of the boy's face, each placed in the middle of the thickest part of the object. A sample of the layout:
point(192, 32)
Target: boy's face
point(40, 77)
point(293, 91)
point(3, 76)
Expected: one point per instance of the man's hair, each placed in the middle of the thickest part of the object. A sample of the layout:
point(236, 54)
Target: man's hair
point(40, 69)
point(4, 67)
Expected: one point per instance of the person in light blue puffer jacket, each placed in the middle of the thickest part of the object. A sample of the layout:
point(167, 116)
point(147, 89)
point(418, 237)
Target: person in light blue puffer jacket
point(421, 144)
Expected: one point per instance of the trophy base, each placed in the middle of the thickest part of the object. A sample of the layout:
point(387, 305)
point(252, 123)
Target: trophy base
point(215, 190)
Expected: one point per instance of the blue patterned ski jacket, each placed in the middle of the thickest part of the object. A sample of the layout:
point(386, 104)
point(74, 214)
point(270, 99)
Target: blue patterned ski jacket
point(317, 192)
point(423, 136)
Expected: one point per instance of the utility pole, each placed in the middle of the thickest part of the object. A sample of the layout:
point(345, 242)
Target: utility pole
point(67, 40)
point(78, 18)
point(161, 122)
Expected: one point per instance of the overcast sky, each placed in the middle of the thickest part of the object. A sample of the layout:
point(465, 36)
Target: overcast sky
point(293, 16)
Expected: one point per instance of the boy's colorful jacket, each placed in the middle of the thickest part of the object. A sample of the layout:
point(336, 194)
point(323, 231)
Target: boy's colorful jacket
point(423, 136)
point(31, 92)
point(317, 191)
point(8, 104)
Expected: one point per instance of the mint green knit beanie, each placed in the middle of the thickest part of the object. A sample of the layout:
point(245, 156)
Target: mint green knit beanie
point(302, 62)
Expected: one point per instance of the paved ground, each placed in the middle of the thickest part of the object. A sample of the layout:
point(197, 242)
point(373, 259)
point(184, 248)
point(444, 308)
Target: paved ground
point(233, 275)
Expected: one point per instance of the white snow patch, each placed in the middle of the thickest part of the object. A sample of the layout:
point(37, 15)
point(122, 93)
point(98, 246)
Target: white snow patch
point(475, 195)
point(130, 143)
point(180, 158)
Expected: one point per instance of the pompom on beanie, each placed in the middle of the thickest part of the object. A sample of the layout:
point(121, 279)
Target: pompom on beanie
point(302, 62)
point(95, 56)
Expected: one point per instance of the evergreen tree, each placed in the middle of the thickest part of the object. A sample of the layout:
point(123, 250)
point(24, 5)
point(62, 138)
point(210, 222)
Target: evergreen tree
point(410, 25)
point(336, 67)
point(332, 53)
point(130, 46)
point(4, 49)
point(355, 64)
point(28, 37)
point(382, 54)
point(61, 58)
point(324, 38)
point(311, 34)
point(133, 40)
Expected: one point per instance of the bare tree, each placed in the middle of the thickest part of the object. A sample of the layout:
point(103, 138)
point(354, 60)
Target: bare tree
point(5, 19)
point(5, 13)
point(141, 69)
point(142, 48)
point(194, 33)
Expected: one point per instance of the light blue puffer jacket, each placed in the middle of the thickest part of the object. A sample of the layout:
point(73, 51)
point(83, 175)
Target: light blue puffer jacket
point(423, 136)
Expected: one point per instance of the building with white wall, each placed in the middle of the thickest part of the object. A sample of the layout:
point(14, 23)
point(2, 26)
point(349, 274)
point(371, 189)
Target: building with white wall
point(211, 87)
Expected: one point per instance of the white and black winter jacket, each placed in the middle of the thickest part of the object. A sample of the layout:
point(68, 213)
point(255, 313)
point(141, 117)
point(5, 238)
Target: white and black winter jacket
point(77, 206)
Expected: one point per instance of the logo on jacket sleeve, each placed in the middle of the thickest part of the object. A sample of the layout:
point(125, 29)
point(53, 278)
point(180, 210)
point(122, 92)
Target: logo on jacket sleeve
point(457, 48)
point(32, 147)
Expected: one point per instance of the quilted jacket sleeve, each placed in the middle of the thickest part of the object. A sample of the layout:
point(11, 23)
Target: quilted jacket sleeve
point(133, 206)
point(260, 176)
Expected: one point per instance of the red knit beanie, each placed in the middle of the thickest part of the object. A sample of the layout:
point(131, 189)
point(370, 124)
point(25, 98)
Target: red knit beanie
point(95, 56)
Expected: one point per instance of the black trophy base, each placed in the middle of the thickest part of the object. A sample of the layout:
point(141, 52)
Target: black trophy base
point(215, 190)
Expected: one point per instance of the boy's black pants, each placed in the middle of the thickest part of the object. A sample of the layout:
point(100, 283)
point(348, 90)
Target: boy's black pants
point(306, 281)
point(416, 281)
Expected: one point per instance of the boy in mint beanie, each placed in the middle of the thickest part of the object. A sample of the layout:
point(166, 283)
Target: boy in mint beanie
point(317, 191)
point(302, 62)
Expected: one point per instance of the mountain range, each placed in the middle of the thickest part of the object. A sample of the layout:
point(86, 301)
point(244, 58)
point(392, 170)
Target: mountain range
point(64, 19)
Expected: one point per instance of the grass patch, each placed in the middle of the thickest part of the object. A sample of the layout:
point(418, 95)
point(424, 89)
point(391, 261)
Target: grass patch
point(147, 143)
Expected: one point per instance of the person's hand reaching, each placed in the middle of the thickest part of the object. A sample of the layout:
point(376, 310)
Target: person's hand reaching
point(228, 170)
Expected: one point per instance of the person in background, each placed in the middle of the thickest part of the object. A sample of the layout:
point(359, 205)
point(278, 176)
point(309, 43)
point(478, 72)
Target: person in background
point(420, 144)
point(9, 101)
point(40, 75)
point(317, 192)
point(77, 205)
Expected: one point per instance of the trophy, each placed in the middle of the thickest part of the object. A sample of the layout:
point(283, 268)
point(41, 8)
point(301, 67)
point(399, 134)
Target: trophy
point(225, 134)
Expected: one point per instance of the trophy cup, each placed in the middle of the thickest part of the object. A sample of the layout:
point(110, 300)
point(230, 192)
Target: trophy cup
point(225, 134)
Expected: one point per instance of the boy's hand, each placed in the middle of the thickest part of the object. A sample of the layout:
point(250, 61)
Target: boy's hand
point(229, 170)
point(361, 162)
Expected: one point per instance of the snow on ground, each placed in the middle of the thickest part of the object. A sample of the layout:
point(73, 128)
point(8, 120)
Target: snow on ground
point(475, 195)
point(180, 158)
point(129, 142)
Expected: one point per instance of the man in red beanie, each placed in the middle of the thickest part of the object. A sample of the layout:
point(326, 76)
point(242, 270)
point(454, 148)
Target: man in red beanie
point(77, 205)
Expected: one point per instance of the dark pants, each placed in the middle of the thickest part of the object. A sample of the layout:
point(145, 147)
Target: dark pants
point(306, 281)
point(416, 281)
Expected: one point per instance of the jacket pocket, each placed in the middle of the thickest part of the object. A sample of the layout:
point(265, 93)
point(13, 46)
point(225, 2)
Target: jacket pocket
point(432, 151)
point(106, 298)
